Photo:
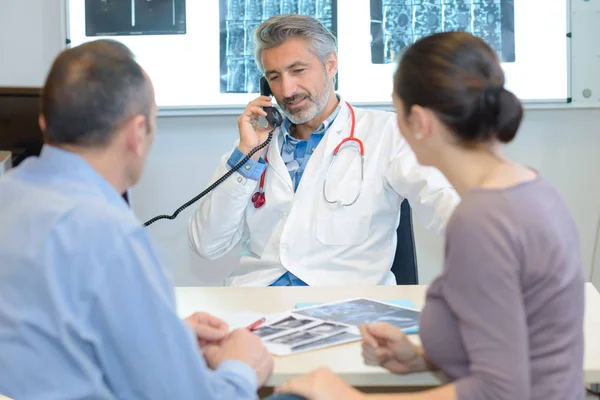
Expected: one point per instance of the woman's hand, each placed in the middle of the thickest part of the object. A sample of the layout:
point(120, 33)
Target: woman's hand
point(321, 384)
point(388, 346)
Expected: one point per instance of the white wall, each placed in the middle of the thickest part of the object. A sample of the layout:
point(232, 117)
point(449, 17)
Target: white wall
point(31, 33)
point(562, 144)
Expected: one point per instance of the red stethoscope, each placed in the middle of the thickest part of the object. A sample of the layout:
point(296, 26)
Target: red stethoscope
point(258, 198)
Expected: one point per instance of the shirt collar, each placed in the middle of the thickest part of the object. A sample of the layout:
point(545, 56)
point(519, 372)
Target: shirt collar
point(285, 127)
point(71, 166)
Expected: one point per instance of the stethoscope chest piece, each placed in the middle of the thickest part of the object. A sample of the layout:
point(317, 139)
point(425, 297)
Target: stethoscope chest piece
point(258, 199)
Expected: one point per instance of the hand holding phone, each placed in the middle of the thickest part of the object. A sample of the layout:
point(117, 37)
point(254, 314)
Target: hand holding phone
point(252, 133)
point(273, 117)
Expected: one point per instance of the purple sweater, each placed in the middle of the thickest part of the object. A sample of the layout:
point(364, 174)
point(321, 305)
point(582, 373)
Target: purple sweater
point(504, 320)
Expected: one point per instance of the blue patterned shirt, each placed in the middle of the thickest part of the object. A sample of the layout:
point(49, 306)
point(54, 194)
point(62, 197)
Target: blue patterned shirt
point(296, 152)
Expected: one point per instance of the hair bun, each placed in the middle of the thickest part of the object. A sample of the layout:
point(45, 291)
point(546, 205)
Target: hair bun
point(459, 77)
point(510, 113)
point(490, 106)
point(500, 113)
point(490, 97)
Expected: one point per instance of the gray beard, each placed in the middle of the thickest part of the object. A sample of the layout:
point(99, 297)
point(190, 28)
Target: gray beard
point(315, 108)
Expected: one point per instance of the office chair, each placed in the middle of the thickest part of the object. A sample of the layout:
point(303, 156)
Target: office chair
point(404, 266)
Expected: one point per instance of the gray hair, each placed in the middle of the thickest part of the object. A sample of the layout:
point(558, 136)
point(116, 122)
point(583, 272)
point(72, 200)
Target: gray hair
point(276, 30)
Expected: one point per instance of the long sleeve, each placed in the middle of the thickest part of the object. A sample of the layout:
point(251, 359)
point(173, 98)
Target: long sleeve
point(217, 225)
point(251, 169)
point(146, 351)
point(481, 284)
point(429, 193)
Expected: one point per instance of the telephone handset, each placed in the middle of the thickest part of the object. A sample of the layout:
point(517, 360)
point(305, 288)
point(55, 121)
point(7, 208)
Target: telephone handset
point(274, 119)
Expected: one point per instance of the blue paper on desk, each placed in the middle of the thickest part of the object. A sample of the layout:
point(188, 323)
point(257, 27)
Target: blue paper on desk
point(397, 302)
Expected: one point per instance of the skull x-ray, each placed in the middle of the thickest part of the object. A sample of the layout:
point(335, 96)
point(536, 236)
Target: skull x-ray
point(238, 21)
point(395, 24)
point(134, 17)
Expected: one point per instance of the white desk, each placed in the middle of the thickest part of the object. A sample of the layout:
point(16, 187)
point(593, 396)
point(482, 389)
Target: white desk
point(346, 360)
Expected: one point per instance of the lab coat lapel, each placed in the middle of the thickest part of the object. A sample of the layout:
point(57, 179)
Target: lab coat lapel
point(320, 160)
point(275, 160)
point(337, 131)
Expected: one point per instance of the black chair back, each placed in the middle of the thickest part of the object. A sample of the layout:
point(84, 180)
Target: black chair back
point(404, 266)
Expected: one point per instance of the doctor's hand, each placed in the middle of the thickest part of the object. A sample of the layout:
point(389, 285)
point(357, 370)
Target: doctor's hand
point(321, 384)
point(243, 346)
point(251, 132)
point(386, 345)
point(208, 328)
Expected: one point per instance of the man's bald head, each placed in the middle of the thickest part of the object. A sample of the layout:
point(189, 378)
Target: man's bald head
point(90, 91)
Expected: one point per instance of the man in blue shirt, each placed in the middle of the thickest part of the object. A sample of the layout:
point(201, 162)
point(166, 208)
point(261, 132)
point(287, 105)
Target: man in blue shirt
point(86, 308)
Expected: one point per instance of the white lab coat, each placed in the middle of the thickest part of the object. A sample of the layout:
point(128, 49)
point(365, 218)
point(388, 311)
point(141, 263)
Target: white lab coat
point(322, 243)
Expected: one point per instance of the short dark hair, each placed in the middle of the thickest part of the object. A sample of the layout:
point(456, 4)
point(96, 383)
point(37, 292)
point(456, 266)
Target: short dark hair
point(459, 77)
point(91, 89)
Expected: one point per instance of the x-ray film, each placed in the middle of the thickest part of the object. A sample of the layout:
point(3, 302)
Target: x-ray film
point(396, 24)
point(364, 311)
point(134, 17)
point(238, 22)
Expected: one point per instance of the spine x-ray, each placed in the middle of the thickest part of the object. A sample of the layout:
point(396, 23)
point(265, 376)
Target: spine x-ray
point(395, 24)
point(238, 21)
point(134, 17)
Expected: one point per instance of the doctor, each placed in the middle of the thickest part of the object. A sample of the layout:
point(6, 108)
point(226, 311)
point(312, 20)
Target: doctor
point(303, 216)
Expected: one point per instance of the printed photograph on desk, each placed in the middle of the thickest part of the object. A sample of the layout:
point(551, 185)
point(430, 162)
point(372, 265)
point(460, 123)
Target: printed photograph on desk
point(265, 331)
point(337, 339)
point(292, 322)
point(304, 340)
point(326, 328)
point(291, 334)
point(296, 338)
point(362, 311)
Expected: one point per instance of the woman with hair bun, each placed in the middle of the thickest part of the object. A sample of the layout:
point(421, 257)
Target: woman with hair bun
point(504, 320)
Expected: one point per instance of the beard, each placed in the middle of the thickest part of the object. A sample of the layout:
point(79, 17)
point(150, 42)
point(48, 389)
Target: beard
point(312, 107)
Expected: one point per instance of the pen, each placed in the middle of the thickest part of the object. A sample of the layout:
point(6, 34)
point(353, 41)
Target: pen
point(256, 324)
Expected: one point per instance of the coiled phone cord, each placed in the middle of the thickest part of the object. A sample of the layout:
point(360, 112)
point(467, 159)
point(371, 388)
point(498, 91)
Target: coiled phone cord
point(214, 185)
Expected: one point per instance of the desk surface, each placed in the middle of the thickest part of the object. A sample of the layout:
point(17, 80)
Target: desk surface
point(346, 360)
